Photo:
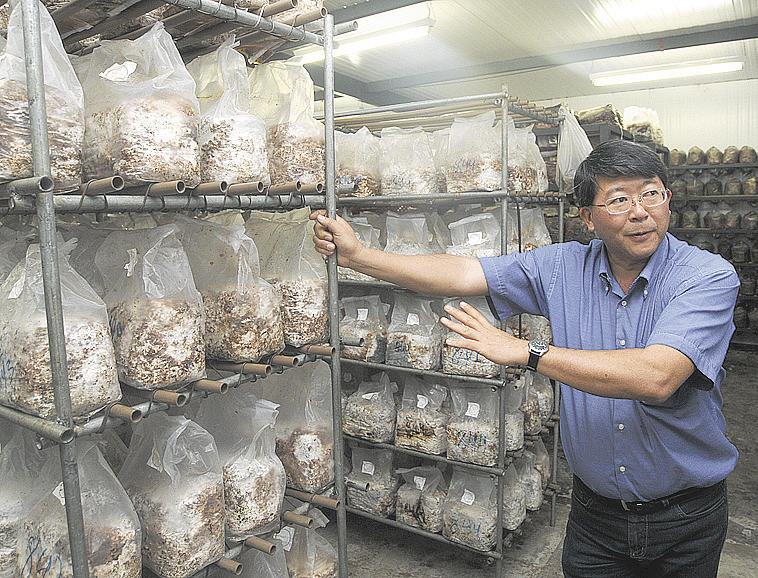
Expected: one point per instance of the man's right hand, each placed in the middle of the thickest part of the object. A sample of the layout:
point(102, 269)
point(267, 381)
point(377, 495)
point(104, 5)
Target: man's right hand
point(335, 233)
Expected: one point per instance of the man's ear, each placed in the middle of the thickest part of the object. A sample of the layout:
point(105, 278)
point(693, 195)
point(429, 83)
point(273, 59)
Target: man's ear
point(586, 214)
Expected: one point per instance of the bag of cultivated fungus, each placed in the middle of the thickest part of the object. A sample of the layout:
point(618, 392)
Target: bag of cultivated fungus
point(474, 162)
point(358, 162)
point(514, 499)
point(534, 232)
point(414, 336)
point(440, 143)
point(530, 405)
point(370, 412)
point(545, 395)
point(531, 480)
point(155, 312)
point(141, 111)
point(542, 462)
point(460, 361)
point(364, 319)
point(420, 420)
point(407, 163)
point(291, 264)
point(64, 105)
point(232, 141)
point(281, 93)
point(409, 235)
point(475, 236)
point(372, 467)
point(242, 311)
point(472, 431)
point(535, 160)
point(369, 237)
point(421, 497)
point(254, 478)
point(112, 530)
point(308, 554)
point(513, 425)
point(469, 515)
point(174, 478)
point(25, 374)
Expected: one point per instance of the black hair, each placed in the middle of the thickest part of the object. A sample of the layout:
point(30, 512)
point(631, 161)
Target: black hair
point(615, 158)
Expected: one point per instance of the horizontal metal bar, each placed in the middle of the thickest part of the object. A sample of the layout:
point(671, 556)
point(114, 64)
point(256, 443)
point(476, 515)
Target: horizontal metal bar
point(47, 429)
point(133, 11)
point(421, 104)
point(680, 168)
point(426, 372)
point(26, 187)
point(468, 197)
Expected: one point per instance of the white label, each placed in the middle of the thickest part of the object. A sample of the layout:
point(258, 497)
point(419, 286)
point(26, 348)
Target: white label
point(468, 497)
point(420, 482)
point(155, 461)
point(475, 238)
point(367, 468)
point(412, 319)
point(285, 537)
point(473, 409)
point(132, 262)
point(18, 286)
point(421, 401)
point(58, 493)
point(362, 314)
point(370, 396)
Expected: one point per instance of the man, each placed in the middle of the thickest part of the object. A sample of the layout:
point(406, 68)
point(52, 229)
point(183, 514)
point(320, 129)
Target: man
point(641, 323)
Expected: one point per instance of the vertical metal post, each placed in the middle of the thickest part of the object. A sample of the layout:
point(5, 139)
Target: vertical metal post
point(35, 88)
point(331, 209)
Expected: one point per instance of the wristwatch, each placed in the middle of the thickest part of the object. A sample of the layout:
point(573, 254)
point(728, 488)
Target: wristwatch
point(537, 348)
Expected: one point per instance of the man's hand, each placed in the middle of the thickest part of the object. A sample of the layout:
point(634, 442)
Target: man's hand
point(331, 233)
point(481, 336)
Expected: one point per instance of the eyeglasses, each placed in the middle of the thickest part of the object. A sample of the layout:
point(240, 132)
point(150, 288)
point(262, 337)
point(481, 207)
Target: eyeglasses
point(623, 204)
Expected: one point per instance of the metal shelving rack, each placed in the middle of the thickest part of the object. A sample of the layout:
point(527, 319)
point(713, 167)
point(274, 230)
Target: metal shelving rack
point(433, 114)
point(34, 196)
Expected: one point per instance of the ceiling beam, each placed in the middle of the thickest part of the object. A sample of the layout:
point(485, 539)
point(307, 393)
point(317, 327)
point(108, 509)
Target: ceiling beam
point(682, 38)
point(345, 84)
point(363, 8)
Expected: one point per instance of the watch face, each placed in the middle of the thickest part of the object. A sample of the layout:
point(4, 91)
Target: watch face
point(538, 346)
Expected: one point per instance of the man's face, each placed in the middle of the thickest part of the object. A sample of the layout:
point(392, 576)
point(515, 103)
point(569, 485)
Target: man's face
point(631, 238)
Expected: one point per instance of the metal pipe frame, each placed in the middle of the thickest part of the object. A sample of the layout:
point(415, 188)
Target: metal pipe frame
point(462, 379)
point(421, 104)
point(48, 429)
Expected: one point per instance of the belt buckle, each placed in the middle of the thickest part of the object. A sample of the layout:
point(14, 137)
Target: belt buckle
point(635, 507)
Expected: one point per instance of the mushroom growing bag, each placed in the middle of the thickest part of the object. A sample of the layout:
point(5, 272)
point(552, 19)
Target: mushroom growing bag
point(472, 431)
point(420, 419)
point(420, 498)
point(370, 412)
point(358, 162)
point(407, 163)
point(372, 467)
point(469, 516)
point(364, 319)
point(474, 162)
point(414, 336)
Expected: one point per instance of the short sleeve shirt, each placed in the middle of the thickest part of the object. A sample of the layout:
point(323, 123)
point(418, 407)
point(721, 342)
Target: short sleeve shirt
point(684, 298)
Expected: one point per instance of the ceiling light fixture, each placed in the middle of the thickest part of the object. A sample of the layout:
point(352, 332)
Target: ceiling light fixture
point(652, 74)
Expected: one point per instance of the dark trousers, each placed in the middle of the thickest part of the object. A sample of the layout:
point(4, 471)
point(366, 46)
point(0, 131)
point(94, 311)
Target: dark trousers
point(683, 540)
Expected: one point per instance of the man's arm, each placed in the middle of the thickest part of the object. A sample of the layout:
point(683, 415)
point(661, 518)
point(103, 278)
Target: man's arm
point(428, 274)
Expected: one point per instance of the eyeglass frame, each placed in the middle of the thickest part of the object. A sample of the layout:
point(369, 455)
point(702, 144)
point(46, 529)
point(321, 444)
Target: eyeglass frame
point(637, 199)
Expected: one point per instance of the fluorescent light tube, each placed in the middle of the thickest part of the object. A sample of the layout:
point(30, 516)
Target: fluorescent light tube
point(632, 77)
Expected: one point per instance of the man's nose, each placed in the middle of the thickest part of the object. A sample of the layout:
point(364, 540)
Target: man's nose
point(638, 210)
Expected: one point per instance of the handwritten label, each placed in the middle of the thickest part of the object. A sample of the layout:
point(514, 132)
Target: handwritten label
point(468, 497)
point(367, 468)
point(473, 409)
point(362, 314)
point(421, 401)
point(475, 238)
point(285, 537)
point(116, 327)
point(41, 561)
point(58, 493)
point(412, 319)
point(370, 396)
point(419, 482)
point(7, 370)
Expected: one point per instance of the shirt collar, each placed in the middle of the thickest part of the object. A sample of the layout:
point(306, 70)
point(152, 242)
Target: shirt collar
point(652, 267)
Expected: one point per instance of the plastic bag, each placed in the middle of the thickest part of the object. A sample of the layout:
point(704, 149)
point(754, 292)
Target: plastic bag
point(281, 94)
point(370, 412)
point(420, 419)
point(420, 498)
point(513, 425)
point(472, 431)
point(232, 141)
point(64, 99)
point(295, 269)
point(112, 529)
point(460, 361)
point(364, 319)
point(308, 554)
point(643, 122)
point(407, 163)
point(254, 478)
point(358, 162)
point(173, 477)
point(155, 312)
point(374, 468)
point(545, 396)
point(573, 148)
point(11, 252)
point(535, 160)
point(474, 160)
point(440, 143)
point(368, 237)
point(414, 336)
point(469, 515)
point(409, 235)
point(25, 374)
point(475, 236)
point(304, 435)
point(534, 232)
point(531, 480)
point(141, 111)
point(514, 499)
point(542, 462)
point(242, 311)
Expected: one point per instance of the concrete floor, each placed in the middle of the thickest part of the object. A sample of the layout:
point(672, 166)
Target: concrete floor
point(379, 551)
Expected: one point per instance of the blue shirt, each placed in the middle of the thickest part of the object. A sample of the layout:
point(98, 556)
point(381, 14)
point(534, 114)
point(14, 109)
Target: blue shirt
point(683, 298)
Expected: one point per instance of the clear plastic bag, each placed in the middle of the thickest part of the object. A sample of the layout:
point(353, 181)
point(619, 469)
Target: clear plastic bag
point(308, 554)
point(545, 396)
point(532, 327)
point(408, 235)
point(257, 564)
point(534, 231)
point(232, 141)
point(535, 160)
point(475, 236)
point(514, 499)
point(141, 111)
point(156, 313)
point(374, 468)
point(364, 319)
point(643, 122)
point(11, 252)
point(420, 420)
point(542, 462)
point(513, 425)
point(25, 374)
point(461, 361)
point(469, 515)
point(573, 148)
point(407, 163)
point(440, 143)
point(472, 431)
point(421, 497)
point(358, 162)
point(474, 160)
point(291, 264)
point(369, 237)
point(370, 412)
point(414, 336)
point(242, 311)
point(174, 479)
point(64, 99)
point(531, 480)
point(530, 406)
point(112, 529)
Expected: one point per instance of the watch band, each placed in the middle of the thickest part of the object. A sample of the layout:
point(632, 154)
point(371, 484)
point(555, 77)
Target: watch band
point(534, 359)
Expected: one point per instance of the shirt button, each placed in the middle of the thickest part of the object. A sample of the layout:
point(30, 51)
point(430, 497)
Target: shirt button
point(645, 292)
point(622, 342)
point(621, 426)
point(622, 469)
point(623, 303)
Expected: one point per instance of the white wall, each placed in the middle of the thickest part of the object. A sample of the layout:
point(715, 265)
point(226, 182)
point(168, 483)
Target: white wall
point(718, 114)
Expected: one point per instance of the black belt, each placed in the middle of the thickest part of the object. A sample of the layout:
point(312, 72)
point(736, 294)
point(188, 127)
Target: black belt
point(647, 507)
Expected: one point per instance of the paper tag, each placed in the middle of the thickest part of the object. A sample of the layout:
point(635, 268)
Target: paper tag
point(473, 409)
point(362, 314)
point(420, 482)
point(475, 238)
point(58, 493)
point(370, 396)
point(421, 401)
point(119, 72)
point(367, 468)
point(132, 262)
point(468, 497)
point(155, 461)
point(285, 536)
point(18, 286)
point(412, 319)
